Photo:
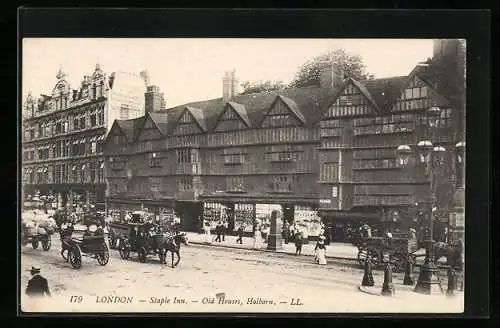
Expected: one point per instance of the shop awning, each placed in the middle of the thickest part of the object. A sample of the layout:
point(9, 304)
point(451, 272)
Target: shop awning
point(74, 168)
point(83, 167)
point(102, 165)
point(45, 170)
point(335, 214)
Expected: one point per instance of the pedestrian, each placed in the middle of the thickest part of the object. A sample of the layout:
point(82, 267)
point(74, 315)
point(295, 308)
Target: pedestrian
point(218, 231)
point(37, 285)
point(224, 229)
point(298, 243)
point(257, 236)
point(320, 250)
point(240, 234)
point(206, 227)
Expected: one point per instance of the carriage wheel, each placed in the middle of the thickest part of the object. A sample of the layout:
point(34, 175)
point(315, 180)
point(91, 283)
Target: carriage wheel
point(47, 243)
point(142, 254)
point(34, 244)
point(124, 250)
point(103, 258)
point(75, 257)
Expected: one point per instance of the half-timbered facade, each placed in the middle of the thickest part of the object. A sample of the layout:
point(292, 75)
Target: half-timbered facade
point(309, 151)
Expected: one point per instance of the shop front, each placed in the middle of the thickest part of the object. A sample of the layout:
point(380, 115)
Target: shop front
point(162, 210)
point(341, 226)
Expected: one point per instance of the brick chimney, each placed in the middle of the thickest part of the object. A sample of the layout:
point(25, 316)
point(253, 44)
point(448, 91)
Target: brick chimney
point(153, 99)
point(230, 85)
point(330, 77)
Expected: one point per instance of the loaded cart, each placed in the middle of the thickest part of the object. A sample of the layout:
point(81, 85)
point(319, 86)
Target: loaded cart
point(36, 232)
point(399, 250)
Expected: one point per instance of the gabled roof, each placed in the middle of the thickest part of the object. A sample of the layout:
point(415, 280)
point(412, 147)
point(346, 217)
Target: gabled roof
point(385, 91)
point(365, 92)
point(311, 101)
point(292, 105)
point(428, 76)
point(241, 111)
point(130, 128)
point(199, 116)
point(160, 119)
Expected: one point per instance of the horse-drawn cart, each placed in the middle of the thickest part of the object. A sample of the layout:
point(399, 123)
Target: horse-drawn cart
point(400, 250)
point(37, 231)
point(88, 242)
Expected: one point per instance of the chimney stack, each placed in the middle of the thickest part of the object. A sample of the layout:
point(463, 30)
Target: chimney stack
point(229, 85)
point(153, 99)
point(330, 77)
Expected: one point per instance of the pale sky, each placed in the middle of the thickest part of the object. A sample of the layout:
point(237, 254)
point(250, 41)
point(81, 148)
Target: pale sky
point(192, 69)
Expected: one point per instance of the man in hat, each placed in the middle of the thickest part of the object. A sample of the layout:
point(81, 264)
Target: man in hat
point(38, 285)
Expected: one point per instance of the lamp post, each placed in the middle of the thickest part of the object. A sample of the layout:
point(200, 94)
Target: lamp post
point(429, 155)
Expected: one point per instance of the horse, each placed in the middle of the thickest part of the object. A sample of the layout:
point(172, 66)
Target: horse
point(65, 235)
point(172, 244)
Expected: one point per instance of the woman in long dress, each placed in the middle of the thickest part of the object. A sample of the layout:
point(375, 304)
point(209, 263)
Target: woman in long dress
point(320, 250)
point(208, 235)
point(257, 236)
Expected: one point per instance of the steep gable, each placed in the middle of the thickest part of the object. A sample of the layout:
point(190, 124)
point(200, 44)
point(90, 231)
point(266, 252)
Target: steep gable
point(353, 99)
point(417, 95)
point(149, 130)
point(191, 121)
point(280, 114)
point(233, 117)
point(116, 133)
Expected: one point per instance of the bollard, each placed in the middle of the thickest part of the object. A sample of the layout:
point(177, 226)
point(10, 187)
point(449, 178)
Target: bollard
point(407, 280)
point(388, 286)
point(368, 277)
point(451, 282)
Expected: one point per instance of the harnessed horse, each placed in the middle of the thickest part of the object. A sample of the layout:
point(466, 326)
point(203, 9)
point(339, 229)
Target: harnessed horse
point(165, 243)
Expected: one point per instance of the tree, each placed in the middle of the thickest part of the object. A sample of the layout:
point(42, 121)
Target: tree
point(261, 86)
point(352, 65)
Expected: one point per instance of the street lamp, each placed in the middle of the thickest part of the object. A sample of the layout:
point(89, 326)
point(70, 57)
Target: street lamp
point(428, 155)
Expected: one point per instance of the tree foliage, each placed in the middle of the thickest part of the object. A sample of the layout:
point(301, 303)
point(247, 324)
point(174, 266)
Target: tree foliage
point(261, 86)
point(309, 73)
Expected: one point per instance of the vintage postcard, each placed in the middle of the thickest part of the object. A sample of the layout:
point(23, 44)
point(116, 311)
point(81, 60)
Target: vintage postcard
point(242, 175)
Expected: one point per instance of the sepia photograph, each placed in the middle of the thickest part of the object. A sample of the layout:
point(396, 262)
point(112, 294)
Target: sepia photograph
point(255, 175)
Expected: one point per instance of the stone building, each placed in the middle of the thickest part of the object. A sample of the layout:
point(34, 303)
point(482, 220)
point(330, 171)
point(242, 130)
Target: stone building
point(62, 134)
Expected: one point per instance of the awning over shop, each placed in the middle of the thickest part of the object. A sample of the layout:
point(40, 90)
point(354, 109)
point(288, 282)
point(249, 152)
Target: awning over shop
point(102, 165)
point(258, 199)
point(335, 214)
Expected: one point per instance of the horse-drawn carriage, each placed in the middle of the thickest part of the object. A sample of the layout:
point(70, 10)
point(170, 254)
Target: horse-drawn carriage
point(78, 241)
point(147, 239)
point(400, 250)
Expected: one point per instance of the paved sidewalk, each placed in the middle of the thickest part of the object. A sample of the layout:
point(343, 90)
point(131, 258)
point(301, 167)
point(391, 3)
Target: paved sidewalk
point(334, 250)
